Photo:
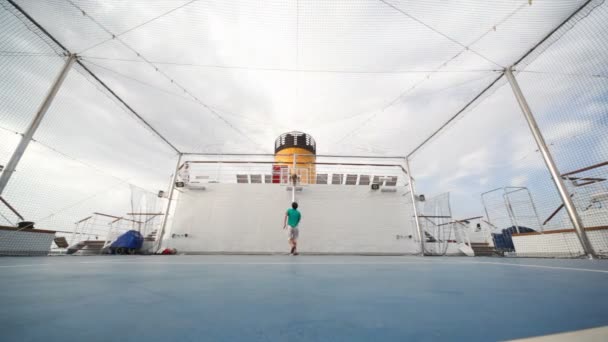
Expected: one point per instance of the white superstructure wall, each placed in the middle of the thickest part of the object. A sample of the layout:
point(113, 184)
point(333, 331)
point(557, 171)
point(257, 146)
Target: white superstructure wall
point(248, 218)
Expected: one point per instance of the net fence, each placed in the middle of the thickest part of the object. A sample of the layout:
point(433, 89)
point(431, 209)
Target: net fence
point(89, 154)
point(499, 170)
point(426, 79)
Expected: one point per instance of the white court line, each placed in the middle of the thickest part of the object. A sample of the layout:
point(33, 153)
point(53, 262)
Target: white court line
point(25, 265)
point(254, 263)
point(228, 263)
point(537, 266)
point(347, 264)
point(124, 261)
point(593, 334)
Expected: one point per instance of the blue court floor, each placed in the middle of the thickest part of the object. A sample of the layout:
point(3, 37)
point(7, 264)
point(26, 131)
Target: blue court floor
point(303, 298)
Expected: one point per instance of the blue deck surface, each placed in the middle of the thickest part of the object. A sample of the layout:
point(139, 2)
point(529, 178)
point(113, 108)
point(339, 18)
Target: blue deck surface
point(304, 298)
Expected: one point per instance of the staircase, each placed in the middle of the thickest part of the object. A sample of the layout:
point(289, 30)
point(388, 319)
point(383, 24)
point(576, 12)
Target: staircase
point(149, 245)
point(87, 247)
point(483, 249)
point(464, 248)
point(151, 236)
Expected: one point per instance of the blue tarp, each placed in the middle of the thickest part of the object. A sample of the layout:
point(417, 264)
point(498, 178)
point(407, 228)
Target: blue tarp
point(131, 239)
point(504, 241)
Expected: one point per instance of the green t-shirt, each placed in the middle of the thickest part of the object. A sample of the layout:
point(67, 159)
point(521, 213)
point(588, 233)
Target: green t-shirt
point(293, 217)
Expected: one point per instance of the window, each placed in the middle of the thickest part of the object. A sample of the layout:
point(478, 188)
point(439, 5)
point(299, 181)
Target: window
point(392, 181)
point(364, 180)
point(351, 179)
point(336, 178)
point(377, 180)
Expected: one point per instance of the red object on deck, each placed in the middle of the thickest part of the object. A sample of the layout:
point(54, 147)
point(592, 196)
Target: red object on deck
point(276, 173)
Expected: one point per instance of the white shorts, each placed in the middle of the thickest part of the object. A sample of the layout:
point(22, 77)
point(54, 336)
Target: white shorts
point(292, 233)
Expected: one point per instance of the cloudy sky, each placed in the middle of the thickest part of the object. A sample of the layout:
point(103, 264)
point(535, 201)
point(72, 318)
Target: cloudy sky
point(364, 77)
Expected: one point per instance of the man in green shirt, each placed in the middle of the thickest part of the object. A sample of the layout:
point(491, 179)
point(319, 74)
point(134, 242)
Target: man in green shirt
point(292, 218)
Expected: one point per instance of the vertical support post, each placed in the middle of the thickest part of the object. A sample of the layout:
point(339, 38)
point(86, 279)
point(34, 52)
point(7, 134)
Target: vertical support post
point(544, 150)
point(413, 195)
point(294, 178)
point(31, 130)
point(161, 234)
point(510, 211)
point(540, 224)
point(73, 237)
point(485, 208)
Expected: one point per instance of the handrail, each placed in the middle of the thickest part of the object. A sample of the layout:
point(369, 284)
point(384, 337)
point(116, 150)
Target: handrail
point(595, 166)
point(10, 207)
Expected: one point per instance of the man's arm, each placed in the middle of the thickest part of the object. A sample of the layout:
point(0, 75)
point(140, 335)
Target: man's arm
point(285, 221)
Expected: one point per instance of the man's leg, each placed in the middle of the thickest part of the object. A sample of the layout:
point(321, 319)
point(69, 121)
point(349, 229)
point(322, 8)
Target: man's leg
point(295, 247)
point(291, 244)
point(294, 239)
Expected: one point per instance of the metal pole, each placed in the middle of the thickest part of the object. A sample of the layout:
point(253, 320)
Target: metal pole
point(31, 130)
point(412, 193)
point(166, 217)
point(485, 208)
point(10, 207)
point(557, 179)
point(294, 179)
point(510, 211)
point(540, 225)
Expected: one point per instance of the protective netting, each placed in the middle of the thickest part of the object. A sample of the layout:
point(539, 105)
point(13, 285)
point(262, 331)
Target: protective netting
point(235, 75)
point(90, 154)
point(494, 155)
point(364, 77)
point(435, 218)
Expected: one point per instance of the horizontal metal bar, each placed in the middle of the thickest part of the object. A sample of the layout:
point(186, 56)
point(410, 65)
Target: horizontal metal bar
point(595, 166)
point(470, 218)
point(462, 110)
point(154, 214)
point(588, 179)
point(84, 219)
point(74, 233)
point(306, 163)
point(106, 215)
point(589, 182)
point(10, 207)
point(289, 154)
point(460, 221)
point(274, 162)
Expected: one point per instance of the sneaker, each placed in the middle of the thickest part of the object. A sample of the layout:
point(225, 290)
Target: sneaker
point(293, 249)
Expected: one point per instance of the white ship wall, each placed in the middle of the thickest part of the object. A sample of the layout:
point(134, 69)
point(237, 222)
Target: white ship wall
point(248, 218)
point(559, 243)
point(25, 242)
